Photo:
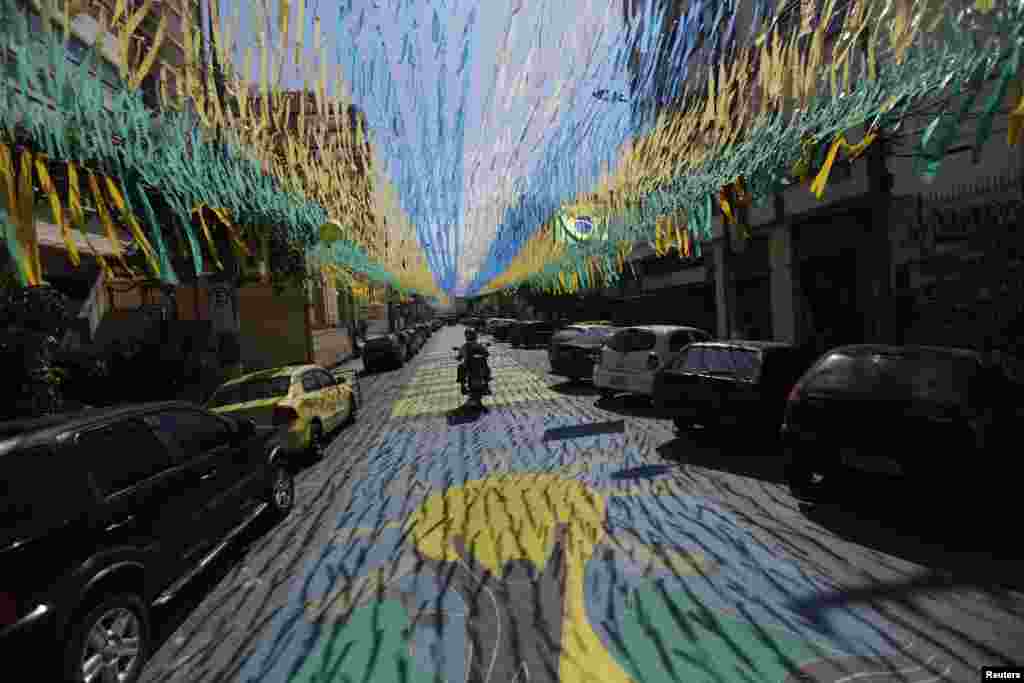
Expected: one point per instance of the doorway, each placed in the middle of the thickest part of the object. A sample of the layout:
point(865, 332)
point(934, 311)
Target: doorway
point(832, 315)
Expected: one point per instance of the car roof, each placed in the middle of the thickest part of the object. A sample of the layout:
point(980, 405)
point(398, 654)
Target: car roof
point(753, 344)
point(41, 430)
point(886, 349)
point(663, 329)
point(272, 373)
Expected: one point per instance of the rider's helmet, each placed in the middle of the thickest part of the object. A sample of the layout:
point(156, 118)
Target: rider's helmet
point(471, 335)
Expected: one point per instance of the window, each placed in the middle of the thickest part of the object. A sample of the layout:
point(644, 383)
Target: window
point(255, 390)
point(123, 455)
point(31, 497)
point(677, 341)
point(745, 363)
point(839, 372)
point(642, 340)
point(310, 382)
point(931, 379)
point(194, 432)
point(693, 359)
point(619, 341)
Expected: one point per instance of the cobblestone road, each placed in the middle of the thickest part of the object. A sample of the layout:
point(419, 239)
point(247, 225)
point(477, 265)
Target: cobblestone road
point(557, 539)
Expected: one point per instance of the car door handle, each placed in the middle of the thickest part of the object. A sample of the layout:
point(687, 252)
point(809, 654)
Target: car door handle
point(123, 523)
point(207, 475)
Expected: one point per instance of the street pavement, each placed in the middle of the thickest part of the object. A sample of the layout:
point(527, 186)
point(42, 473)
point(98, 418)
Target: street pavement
point(555, 538)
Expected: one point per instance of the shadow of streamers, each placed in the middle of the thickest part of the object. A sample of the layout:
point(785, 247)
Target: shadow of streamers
point(573, 389)
point(584, 430)
point(930, 532)
point(746, 460)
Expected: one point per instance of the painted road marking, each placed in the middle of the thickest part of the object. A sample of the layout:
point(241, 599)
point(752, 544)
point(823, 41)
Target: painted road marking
point(636, 580)
point(434, 391)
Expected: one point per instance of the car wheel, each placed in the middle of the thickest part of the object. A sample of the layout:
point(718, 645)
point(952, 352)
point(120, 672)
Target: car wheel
point(110, 642)
point(316, 441)
point(282, 491)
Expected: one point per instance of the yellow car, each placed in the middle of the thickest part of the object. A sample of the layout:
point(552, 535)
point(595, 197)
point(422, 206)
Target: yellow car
point(305, 399)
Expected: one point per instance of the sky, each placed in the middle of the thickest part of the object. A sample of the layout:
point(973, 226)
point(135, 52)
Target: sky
point(475, 98)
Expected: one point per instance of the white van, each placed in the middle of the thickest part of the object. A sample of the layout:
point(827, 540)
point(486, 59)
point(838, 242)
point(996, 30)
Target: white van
point(631, 357)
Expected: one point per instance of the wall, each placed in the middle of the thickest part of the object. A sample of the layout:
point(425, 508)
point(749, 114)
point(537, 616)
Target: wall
point(273, 326)
point(331, 346)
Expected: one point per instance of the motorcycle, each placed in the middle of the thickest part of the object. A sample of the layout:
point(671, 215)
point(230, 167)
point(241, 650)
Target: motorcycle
point(474, 376)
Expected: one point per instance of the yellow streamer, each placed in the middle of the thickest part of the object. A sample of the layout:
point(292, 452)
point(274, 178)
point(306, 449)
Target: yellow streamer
point(108, 223)
point(58, 211)
point(818, 186)
point(208, 235)
point(136, 229)
point(26, 223)
point(78, 218)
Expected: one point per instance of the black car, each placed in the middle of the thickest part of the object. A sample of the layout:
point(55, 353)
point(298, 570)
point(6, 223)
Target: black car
point(425, 330)
point(501, 329)
point(933, 415)
point(417, 336)
point(575, 349)
point(385, 351)
point(534, 333)
point(111, 511)
point(741, 383)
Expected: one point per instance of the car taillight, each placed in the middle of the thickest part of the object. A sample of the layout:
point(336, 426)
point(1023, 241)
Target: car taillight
point(8, 609)
point(653, 361)
point(794, 394)
point(284, 415)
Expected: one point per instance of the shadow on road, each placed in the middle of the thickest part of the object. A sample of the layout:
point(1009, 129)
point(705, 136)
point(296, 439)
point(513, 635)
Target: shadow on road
point(168, 618)
point(973, 548)
point(631, 405)
point(726, 453)
point(465, 415)
point(574, 388)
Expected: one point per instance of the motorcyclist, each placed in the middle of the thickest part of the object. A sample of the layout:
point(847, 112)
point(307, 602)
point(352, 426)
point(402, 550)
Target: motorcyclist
point(472, 345)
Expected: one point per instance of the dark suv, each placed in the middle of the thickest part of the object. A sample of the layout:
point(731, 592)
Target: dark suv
point(930, 416)
point(111, 511)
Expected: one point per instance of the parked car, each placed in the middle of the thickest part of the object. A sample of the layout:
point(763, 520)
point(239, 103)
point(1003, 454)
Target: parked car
point(418, 338)
point(633, 355)
point(930, 415)
point(743, 383)
point(576, 349)
point(534, 333)
point(307, 400)
point(436, 324)
point(451, 320)
point(500, 331)
point(112, 511)
point(412, 342)
point(386, 350)
point(495, 323)
point(425, 330)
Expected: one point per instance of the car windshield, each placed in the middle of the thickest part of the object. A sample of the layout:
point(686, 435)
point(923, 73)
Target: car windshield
point(931, 378)
point(255, 390)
